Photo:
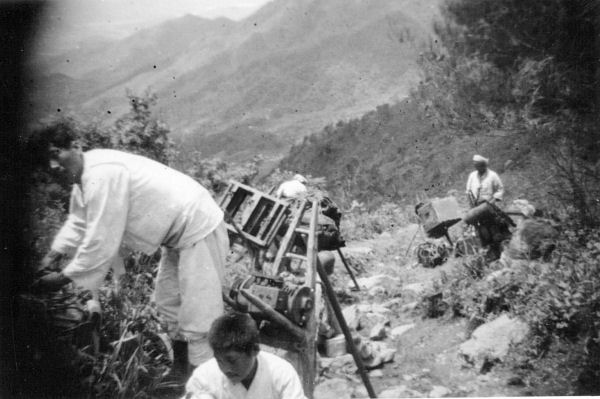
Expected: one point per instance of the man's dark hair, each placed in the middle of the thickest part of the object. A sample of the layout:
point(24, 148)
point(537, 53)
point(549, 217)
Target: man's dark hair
point(233, 331)
point(60, 134)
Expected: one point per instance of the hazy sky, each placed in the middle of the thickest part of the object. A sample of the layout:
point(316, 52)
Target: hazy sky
point(68, 21)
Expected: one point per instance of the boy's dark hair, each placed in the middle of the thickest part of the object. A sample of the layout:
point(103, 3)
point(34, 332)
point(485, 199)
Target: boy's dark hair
point(234, 331)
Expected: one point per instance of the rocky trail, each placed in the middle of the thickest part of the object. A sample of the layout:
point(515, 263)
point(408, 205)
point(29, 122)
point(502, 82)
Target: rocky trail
point(389, 314)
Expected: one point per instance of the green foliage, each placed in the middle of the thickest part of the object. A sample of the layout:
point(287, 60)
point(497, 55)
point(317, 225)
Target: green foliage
point(558, 299)
point(522, 67)
point(132, 355)
point(140, 133)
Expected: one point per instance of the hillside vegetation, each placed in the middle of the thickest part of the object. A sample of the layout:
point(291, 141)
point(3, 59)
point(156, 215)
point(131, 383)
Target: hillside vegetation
point(518, 82)
point(501, 81)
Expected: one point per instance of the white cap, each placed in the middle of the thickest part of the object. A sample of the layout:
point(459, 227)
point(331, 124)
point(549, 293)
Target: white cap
point(480, 159)
point(300, 178)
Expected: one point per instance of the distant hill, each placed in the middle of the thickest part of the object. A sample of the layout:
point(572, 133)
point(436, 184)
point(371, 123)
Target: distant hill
point(289, 69)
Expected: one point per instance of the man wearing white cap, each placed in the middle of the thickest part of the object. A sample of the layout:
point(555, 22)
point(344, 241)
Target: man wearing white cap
point(484, 185)
point(294, 188)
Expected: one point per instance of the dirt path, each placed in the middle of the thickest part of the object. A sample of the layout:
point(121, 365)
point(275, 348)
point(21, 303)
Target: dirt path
point(426, 362)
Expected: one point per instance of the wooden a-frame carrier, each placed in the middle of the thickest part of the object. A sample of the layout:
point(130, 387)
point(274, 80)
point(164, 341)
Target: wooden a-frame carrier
point(257, 218)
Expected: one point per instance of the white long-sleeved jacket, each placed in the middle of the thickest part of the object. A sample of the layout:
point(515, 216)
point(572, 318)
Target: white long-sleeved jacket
point(130, 201)
point(485, 187)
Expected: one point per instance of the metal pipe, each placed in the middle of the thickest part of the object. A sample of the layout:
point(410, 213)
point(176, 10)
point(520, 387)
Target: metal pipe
point(340, 317)
point(273, 316)
point(348, 269)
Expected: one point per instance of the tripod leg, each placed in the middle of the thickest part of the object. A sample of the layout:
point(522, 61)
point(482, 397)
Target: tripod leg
point(348, 269)
point(340, 317)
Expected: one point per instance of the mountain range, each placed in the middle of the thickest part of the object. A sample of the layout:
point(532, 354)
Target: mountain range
point(238, 87)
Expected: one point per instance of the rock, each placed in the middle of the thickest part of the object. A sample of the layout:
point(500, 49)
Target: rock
point(370, 319)
point(400, 391)
point(398, 331)
point(373, 308)
point(415, 289)
point(408, 377)
point(352, 317)
point(490, 342)
point(378, 291)
point(379, 280)
point(336, 363)
point(376, 373)
point(378, 332)
point(375, 354)
point(334, 388)
point(357, 250)
point(385, 235)
point(409, 307)
point(360, 317)
point(360, 392)
point(497, 274)
point(533, 239)
point(515, 381)
point(392, 303)
point(439, 391)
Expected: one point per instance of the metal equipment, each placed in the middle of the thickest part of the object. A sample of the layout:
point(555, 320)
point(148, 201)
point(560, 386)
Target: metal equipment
point(438, 215)
point(293, 301)
point(286, 309)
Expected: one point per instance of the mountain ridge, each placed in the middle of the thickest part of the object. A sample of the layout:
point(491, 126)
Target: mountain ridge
point(290, 68)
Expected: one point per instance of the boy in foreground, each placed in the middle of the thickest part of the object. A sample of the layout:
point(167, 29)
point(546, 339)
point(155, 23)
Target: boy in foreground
point(239, 369)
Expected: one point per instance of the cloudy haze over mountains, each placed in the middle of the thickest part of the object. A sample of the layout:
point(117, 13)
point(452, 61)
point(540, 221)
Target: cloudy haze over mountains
point(288, 69)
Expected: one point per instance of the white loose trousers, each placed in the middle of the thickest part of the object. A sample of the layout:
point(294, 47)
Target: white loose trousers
point(188, 290)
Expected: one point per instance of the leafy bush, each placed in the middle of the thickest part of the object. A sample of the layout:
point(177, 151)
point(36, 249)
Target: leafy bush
point(132, 356)
point(558, 299)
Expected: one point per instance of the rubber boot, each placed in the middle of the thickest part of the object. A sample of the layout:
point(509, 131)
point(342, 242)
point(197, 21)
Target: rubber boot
point(180, 370)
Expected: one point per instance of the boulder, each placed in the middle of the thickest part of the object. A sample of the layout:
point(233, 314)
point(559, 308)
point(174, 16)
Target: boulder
point(497, 274)
point(378, 332)
point(533, 239)
point(490, 342)
point(360, 392)
point(334, 388)
point(359, 317)
point(375, 354)
point(398, 331)
point(376, 373)
point(352, 316)
point(379, 280)
point(416, 290)
point(400, 391)
point(439, 391)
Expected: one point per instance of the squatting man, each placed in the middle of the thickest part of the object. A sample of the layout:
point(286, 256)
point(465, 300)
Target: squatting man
point(125, 201)
point(239, 369)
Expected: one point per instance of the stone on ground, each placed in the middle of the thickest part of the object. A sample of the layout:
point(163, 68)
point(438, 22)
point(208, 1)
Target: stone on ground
point(378, 332)
point(439, 391)
point(400, 330)
point(400, 391)
point(334, 388)
point(379, 280)
point(490, 342)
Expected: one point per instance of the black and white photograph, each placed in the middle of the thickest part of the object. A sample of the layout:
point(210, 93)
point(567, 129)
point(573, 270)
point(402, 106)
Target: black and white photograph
point(299, 199)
